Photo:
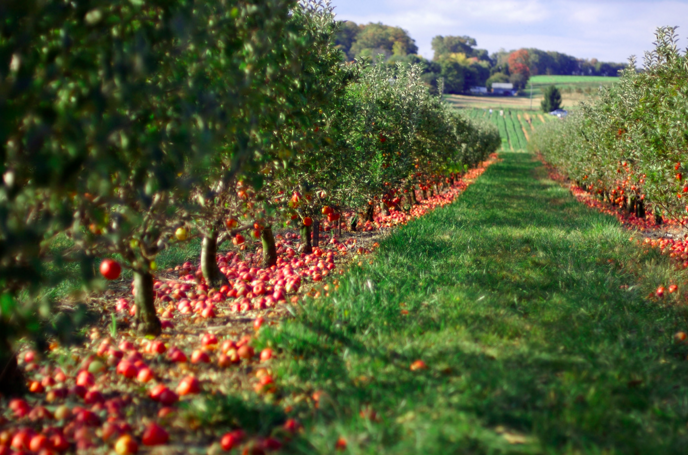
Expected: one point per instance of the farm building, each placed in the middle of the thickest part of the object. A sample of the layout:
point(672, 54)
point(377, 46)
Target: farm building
point(503, 88)
point(478, 90)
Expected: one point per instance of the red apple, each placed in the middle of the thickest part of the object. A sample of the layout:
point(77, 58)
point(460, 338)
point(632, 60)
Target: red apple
point(38, 443)
point(200, 356)
point(223, 361)
point(155, 435)
point(93, 397)
point(292, 425)
point(157, 347)
point(168, 397)
point(59, 442)
point(245, 352)
point(176, 355)
point(227, 345)
point(232, 439)
point(166, 411)
point(110, 269)
point(36, 387)
point(189, 385)
point(258, 323)
point(418, 365)
point(126, 445)
point(156, 391)
point(86, 379)
point(127, 369)
point(22, 439)
point(145, 375)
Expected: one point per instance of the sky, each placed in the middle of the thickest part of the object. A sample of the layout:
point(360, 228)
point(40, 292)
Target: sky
point(609, 30)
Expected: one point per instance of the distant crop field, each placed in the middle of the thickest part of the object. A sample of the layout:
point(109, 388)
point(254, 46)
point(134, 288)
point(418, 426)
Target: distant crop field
point(571, 99)
point(515, 126)
point(565, 80)
point(581, 85)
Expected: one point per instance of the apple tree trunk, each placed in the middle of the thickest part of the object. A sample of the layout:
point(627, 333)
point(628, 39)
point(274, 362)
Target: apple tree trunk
point(384, 209)
point(353, 224)
point(412, 196)
point(269, 248)
point(658, 217)
point(370, 213)
point(147, 322)
point(214, 277)
point(316, 233)
point(12, 381)
point(630, 204)
point(306, 247)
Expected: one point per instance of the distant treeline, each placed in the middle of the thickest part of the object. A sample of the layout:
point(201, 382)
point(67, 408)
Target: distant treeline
point(457, 61)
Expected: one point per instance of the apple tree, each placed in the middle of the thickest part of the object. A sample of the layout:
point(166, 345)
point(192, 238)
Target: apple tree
point(274, 121)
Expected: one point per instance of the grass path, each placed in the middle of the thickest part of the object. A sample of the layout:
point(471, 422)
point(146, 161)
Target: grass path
point(517, 302)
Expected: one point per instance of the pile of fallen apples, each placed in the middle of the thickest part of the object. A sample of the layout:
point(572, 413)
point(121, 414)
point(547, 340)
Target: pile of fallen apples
point(397, 217)
point(676, 248)
point(125, 393)
point(91, 403)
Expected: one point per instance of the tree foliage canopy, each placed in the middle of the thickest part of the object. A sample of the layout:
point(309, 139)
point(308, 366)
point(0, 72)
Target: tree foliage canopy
point(552, 99)
point(556, 63)
point(475, 66)
point(496, 78)
point(519, 69)
point(443, 45)
point(373, 39)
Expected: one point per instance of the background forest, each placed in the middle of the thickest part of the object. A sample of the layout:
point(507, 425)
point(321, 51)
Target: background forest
point(459, 62)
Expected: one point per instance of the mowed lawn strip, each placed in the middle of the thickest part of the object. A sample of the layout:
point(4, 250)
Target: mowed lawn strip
point(531, 312)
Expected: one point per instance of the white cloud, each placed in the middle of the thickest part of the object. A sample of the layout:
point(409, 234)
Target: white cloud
point(495, 11)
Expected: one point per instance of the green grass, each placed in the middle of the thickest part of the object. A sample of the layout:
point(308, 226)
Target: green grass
point(569, 85)
point(517, 303)
point(566, 80)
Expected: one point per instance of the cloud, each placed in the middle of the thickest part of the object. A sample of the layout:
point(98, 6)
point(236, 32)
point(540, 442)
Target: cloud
point(496, 11)
point(609, 30)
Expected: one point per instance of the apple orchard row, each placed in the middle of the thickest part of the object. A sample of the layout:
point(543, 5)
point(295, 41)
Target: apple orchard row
point(130, 127)
point(628, 147)
point(135, 391)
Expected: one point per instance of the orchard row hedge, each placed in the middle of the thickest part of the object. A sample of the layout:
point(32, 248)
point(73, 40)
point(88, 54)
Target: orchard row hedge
point(630, 146)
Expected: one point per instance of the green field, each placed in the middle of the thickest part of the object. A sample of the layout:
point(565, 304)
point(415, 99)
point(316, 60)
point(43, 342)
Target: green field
point(581, 85)
point(515, 126)
point(569, 80)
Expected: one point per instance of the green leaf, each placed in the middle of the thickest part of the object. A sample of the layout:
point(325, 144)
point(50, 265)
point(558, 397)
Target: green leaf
point(7, 304)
